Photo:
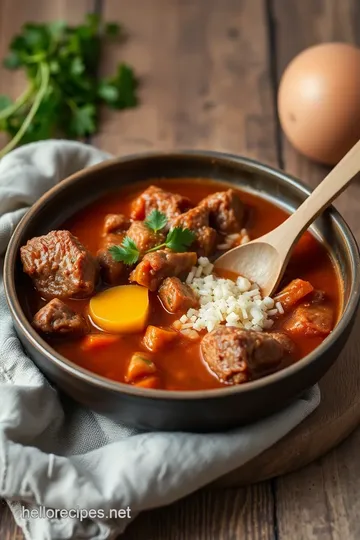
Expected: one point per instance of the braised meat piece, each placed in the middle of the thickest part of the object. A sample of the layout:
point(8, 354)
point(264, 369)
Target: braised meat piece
point(226, 211)
point(237, 356)
point(153, 198)
point(57, 318)
point(144, 237)
point(112, 272)
point(197, 220)
point(59, 265)
point(311, 319)
point(160, 264)
point(177, 296)
point(115, 223)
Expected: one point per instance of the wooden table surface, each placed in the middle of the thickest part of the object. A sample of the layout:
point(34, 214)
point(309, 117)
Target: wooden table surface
point(209, 71)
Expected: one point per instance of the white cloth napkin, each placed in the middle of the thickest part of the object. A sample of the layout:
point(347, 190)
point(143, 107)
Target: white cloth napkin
point(55, 454)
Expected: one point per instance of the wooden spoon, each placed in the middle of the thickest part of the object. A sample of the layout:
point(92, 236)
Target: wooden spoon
point(263, 261)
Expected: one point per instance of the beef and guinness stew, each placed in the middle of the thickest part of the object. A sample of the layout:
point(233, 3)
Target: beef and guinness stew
point(127, 288)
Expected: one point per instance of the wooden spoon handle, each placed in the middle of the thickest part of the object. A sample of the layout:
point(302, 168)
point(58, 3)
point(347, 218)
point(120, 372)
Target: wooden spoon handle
point(332, 185)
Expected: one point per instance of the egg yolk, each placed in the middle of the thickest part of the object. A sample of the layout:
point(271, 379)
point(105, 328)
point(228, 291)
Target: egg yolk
point(122, 309)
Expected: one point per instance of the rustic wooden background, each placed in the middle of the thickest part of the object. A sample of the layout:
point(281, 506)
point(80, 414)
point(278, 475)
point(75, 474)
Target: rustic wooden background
point(210, 70)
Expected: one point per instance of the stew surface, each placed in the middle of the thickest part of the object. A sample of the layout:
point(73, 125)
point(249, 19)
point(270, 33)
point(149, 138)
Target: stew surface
point(183, 363)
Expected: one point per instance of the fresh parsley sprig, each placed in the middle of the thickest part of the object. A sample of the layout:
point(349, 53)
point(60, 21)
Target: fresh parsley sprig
point(63, 93)
point(177, 239)
point(156, 221)
point(127, 252)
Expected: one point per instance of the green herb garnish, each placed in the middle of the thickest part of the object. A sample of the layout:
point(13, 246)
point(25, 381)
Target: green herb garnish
point(63, 93)
point(177, 239)
point(156, 221)
point(127, 253)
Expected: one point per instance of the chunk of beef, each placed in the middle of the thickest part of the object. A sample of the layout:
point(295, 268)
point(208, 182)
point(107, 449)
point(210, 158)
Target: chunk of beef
point(177, 296)
point(112, 272)
point(226, 211)
point(237, 356)
point(197, 220)
point(160, 264)
point(115, 223)
point(111, 240)
point(293, 292)
point(144, 237)
point(59, 265)
point(311, 320)
point(57, 318)
point(153, 198)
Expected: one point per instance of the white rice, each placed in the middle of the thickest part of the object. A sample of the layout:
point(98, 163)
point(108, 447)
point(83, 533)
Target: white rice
point(223, 301)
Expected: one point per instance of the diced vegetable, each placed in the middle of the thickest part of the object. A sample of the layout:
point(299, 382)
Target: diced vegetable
point(140, 365)
point(122, 309)
point(149, 382)
point(292, 293)
point(93, 342)
point(157, 338)
point(310, 320)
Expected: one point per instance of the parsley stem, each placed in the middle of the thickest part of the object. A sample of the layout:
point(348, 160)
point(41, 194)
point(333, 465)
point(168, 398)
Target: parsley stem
point(44, 75)
point(19, 102)
point(156, 247)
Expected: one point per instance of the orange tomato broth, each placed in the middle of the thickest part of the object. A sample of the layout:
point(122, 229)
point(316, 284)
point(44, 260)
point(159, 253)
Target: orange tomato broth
point(180, 365)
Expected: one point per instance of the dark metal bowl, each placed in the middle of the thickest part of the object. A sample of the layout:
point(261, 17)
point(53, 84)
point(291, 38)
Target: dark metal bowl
point(168, 410)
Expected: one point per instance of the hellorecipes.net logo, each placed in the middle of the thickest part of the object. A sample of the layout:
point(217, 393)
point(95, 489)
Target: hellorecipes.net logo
point(81, 514)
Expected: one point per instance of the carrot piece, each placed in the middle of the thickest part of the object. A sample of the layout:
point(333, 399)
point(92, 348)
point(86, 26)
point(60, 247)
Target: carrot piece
point(94, 342)
point(157, 338)
point(292, 293)
point(139, 366)
point(149, 382)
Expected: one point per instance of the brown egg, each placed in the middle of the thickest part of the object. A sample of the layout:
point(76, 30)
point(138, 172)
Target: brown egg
point(319, 101)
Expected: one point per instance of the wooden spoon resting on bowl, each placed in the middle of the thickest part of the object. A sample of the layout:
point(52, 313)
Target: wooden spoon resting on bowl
point(263, 261)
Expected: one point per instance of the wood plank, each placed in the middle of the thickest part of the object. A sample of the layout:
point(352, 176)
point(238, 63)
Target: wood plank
point(205, 77)
point(319, 501)
point(8, 528)
point(210, 515)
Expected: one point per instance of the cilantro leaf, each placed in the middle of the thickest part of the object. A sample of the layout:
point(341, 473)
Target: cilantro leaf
point(12, 61)
point(127, 253)
point(5, 102)
point(83, 121)
point(156, 221)
point(108, 92)
point(179, 239)
point(126, 84)
point(57, 29)
point(112, 29)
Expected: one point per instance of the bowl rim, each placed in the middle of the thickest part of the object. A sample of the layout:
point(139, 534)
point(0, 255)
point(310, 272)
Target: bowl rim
point(98, 381)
